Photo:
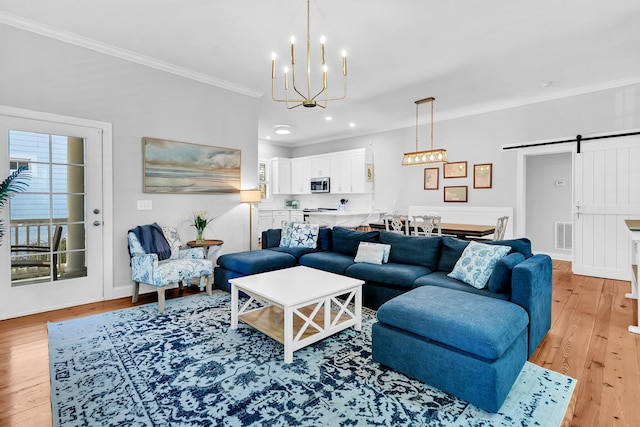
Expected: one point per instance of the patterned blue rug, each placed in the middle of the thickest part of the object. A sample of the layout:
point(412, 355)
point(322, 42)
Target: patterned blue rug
point(134, 367)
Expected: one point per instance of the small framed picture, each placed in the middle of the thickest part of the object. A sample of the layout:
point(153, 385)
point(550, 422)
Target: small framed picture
point(369, 172)
point(482, 175)
point(455, 194)
point(455, 170)
point(431, 176)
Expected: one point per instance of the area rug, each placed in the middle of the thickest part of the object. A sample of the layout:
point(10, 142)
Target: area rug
point(135, 367)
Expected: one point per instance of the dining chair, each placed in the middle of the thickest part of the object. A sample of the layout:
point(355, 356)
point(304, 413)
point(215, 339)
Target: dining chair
point(396, 224)
point(501, 227)
point(374, 216)
point(427, 225)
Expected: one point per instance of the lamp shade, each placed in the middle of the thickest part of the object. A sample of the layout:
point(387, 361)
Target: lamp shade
point(250, 196)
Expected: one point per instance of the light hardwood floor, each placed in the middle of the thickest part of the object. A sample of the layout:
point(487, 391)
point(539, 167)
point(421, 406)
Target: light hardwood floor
point(588, 341)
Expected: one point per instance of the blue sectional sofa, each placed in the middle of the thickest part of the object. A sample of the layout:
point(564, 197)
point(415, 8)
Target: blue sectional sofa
point(519, 278)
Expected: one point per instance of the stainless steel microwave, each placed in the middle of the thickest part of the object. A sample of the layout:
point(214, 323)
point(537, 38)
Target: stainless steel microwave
point(320, 185)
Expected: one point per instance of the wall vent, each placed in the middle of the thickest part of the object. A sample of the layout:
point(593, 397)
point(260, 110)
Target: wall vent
point(563, 235)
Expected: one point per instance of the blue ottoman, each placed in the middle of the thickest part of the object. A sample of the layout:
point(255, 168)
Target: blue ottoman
point(468, 345)
point(242, 264)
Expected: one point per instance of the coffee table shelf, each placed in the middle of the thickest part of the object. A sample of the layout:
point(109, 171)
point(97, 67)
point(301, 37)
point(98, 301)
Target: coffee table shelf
point(297, 306)
point(270, 320)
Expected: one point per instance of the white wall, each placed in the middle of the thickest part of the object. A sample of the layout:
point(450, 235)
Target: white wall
point(547, 202)
point(47, 75)
point(267, 151)
point(479, 139)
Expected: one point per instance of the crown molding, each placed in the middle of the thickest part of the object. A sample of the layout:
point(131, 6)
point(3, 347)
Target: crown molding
point(127, 55)
point(507, 104)
point(487, 108)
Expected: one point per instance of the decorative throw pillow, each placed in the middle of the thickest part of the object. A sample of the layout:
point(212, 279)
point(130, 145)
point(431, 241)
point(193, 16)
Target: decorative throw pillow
point(477, 262)
point(372, 253)
point(285, 238)
point(304, 235)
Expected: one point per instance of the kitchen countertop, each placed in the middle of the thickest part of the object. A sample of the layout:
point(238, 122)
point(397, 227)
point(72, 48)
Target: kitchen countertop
point(338, 213)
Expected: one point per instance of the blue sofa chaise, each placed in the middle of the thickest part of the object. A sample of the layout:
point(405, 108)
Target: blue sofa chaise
point(519, 278)
point(469, 342)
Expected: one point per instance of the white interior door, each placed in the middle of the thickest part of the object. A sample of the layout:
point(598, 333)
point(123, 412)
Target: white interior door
point(64, 192)
point(607, 191)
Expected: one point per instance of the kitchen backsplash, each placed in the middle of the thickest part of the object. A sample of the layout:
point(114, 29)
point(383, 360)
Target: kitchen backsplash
point(357, 202)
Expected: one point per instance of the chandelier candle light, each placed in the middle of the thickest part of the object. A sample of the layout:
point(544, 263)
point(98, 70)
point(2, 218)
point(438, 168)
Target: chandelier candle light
point(306, 100)
point(432, 156)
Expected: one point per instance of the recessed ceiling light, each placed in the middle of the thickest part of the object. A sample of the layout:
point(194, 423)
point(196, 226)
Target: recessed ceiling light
point(282, 129)
point(328, 118)
point(352, 125)
point(268, 137)
point(546, 84)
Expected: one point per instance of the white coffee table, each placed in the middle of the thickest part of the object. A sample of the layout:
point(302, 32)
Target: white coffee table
point(298, 305)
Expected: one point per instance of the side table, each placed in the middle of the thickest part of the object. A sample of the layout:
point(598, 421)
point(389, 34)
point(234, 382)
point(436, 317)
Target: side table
point(206, 245)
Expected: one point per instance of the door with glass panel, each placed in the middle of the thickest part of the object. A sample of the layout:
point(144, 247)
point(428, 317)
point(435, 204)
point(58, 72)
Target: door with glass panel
point(52, 247)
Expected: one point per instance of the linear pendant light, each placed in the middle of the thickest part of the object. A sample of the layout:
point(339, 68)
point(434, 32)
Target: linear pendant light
point(427, 157)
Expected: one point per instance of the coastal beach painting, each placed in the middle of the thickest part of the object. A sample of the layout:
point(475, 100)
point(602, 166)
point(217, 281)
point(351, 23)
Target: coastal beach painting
point(182, 167)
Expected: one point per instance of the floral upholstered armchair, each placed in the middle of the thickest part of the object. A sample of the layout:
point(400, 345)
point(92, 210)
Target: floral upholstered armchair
point(182, 264)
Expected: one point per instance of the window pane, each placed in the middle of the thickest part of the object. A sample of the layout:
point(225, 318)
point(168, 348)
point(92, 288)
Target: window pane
point(38, 181)
point(29, 145)
point(63, 174)
point(30, 206)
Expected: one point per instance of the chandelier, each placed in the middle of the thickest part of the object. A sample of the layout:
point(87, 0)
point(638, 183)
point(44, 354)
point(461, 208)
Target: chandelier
point(321, 98)
point(432, 156)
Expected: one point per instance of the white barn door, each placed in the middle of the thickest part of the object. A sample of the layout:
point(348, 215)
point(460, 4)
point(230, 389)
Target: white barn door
point(607, 191)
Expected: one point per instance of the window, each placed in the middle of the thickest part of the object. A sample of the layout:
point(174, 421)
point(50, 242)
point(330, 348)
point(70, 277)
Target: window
point(14, 164)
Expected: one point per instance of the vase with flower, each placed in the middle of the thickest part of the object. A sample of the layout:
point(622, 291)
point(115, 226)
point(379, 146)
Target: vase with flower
point(200, 222)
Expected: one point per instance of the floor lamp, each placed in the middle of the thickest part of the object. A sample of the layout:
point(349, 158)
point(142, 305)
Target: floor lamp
point(251, 197)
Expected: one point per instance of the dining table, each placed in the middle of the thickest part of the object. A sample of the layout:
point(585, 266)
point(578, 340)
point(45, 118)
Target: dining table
point(461, 231)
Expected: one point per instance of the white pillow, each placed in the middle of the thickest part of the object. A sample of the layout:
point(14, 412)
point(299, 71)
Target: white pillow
point(372, 253)
point(477, 262)
point(304, 235)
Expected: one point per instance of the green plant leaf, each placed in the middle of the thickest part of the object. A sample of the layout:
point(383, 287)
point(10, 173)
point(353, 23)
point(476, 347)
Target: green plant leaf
point(14, 183)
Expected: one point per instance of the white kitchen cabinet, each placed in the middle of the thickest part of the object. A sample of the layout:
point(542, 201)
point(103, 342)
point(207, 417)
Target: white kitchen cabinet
point(347, 170)
point(280, 217)
point(297, 216)
point(358, 173)
point(273, 219)
point(265, 222)
point(340, 174)
point(281, 176)
point(301, 176)
point(320, 166)
point(348, 173)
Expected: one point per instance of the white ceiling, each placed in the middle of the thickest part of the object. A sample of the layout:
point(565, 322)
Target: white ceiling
point(470, 55)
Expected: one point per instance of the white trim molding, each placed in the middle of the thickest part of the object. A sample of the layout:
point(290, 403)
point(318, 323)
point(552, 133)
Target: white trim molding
point(127, 55)
point(107, 180)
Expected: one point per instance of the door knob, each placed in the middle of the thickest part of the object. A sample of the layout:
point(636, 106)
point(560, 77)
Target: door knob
point(96, 211)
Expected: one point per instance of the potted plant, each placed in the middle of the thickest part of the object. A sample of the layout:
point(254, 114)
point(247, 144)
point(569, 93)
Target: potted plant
point(10, 186)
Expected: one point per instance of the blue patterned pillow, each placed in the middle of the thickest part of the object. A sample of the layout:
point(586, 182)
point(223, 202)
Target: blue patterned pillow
point(304, 235)
point(285, 238)
point(477, 262)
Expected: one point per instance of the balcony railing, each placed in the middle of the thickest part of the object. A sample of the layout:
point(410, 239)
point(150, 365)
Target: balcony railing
point(35, 232)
